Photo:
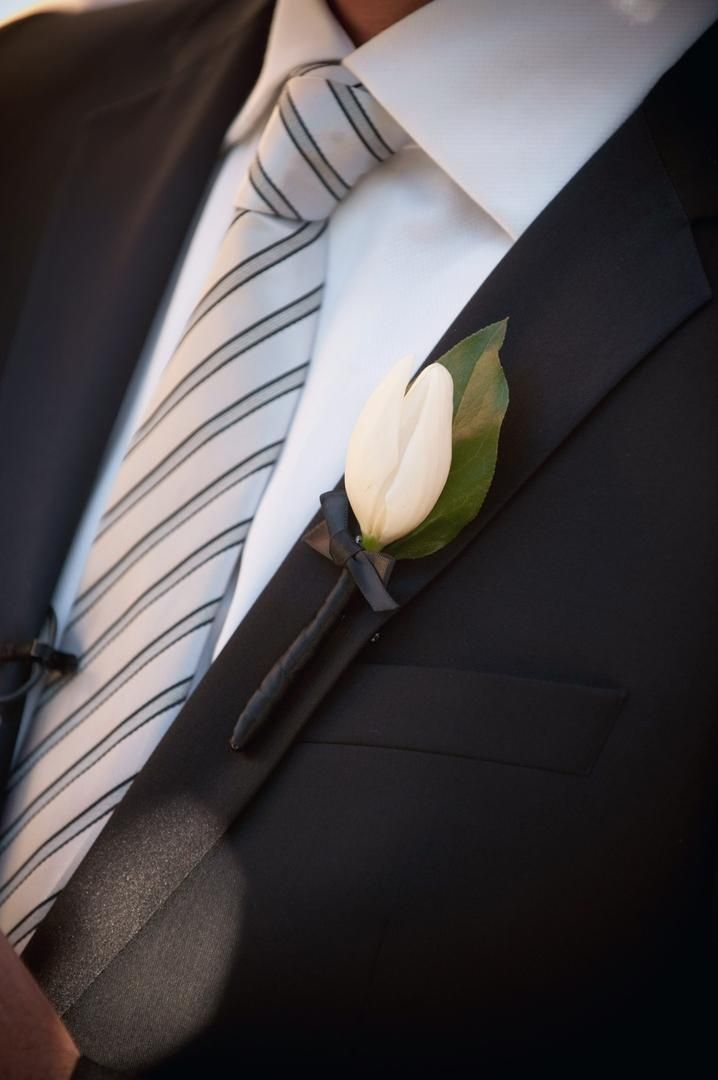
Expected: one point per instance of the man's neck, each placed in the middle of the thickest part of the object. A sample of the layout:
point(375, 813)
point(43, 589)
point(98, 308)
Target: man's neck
point(364, 19)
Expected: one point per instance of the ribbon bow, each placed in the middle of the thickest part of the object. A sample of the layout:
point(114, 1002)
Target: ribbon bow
point(370, 570)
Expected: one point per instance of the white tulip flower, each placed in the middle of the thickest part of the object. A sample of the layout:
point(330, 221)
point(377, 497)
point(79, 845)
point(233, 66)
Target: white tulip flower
point(399, 452)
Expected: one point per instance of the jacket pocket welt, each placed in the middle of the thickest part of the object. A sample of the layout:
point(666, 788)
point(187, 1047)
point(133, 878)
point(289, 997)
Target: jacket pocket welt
point(535, 723)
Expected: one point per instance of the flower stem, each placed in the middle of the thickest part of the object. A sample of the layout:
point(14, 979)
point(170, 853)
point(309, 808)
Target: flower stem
point(279, 679)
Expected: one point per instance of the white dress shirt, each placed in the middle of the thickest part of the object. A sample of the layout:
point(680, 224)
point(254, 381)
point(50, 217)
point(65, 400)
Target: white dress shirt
point(504, 100)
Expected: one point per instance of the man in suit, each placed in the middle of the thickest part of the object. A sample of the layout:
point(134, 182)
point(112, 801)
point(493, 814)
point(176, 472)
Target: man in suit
point(483, 829)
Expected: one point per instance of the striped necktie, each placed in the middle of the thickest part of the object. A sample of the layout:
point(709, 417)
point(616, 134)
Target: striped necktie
point(188, 487)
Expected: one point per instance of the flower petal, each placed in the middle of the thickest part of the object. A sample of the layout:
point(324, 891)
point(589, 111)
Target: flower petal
point(425, 445)
point(373, 452)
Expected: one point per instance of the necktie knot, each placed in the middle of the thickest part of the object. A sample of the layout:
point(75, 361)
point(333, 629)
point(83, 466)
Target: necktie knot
point(324, 133)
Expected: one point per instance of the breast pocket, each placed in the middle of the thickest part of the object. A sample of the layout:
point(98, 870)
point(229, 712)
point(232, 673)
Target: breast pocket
point(535, 723)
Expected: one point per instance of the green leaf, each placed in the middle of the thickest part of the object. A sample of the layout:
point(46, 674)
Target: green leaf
point(481, 398)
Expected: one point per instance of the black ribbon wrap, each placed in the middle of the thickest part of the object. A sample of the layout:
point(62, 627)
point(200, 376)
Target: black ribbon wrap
point(365, 571)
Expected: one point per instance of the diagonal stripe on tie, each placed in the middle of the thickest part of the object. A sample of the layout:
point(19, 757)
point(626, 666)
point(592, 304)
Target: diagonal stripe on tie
point(215, 425)
point(17, 933)
point(258, 461)
point(86, 817)
point(195, 620)
point(150, 710)
point(257, 264)
point(227, 351)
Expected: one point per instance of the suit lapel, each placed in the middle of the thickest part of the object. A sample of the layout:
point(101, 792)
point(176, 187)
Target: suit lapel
point(606, 272)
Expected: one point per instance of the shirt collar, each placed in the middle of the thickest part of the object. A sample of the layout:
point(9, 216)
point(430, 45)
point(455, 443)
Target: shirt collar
point(508, 97)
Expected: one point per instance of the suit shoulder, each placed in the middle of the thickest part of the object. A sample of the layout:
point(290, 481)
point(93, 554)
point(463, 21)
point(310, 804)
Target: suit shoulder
point(102, 54)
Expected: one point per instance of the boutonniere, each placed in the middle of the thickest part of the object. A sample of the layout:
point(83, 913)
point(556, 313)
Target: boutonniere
point(420, 461)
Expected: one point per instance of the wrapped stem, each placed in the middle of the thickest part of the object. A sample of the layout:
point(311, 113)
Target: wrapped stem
point(279, 679)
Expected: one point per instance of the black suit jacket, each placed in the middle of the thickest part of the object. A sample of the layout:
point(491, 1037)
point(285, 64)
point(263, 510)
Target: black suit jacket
point(481, 831)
